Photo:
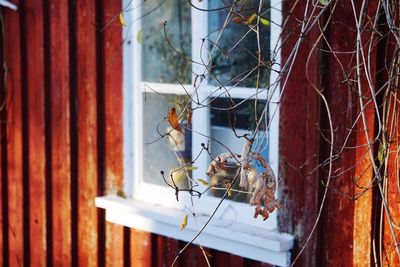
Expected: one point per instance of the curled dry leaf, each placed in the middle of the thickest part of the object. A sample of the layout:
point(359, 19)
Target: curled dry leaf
point(245, 20)
point(173, 120)
point(263, 184)
point(219, 163)
point(250, 20)
point(189, 117)
point(264, 192)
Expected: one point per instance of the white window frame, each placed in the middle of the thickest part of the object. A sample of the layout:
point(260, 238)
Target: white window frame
point(150, 202)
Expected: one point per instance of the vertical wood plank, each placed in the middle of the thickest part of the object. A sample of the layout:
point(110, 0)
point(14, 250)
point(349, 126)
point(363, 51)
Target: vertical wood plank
point(111, 39)
point(15, 196)
point(87, 132)
point(162, 253)
point(172, 247)
point(3, 215)
point(391, 187)
point(299, 137)
point(166, 249)
point(3, 148)
point(337, 222)
point(220, 258)
point(37, 159)
point(251, 263)
point(193, 256)
point(236, 261)
point(141, 254)
point(60, 133)
point(364, 175)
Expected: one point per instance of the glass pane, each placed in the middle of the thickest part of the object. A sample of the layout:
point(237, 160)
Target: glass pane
point(168, 153)
point(160, 63)
point(241, 118)
point(235, 47)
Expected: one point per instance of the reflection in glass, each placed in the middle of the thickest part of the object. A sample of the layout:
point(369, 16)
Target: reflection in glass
point(168, 153)
point(236, 52)
point(159, 62)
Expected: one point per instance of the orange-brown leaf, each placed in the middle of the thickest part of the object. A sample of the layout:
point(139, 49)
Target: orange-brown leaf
point(189, 117)
point(246, 20)
point(173, 120)
point(238, 20)
point(122, 19)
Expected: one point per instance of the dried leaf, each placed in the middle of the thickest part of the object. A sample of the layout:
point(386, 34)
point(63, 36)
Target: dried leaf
point(264, 21)
point(381, 153)
point(324, 2)
point(139, 37)
point(191, 168)
point(203, 182)
point(122, 19)
point(189, 117)
point(184, 222)
point(229, 193)
point(238, 20)
point(245, 20)
point(173, 120)
point(121, 193)
point(251, 19)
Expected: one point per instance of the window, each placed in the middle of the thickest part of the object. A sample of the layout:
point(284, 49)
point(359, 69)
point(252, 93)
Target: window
point(175, 51)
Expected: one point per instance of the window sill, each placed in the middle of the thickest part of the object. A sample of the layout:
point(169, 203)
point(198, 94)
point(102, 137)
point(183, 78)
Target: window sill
point(246, 241)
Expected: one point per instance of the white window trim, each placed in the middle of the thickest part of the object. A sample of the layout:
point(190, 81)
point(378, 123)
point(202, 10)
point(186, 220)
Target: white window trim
point(239, 239)
point(250, 238)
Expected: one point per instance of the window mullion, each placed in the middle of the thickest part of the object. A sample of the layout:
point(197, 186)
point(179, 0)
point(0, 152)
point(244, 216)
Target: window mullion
point(275, 46)
point(201, 115)
point(138, 108)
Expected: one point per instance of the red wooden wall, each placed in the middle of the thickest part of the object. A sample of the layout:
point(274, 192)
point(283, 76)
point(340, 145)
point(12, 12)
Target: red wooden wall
point(348, 226)
point(61, 146)
point(61, 142)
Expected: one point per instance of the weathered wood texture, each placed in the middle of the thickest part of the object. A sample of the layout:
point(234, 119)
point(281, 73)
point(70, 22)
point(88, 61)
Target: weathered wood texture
point(299, 136)
point(14, 217)
point(391, 184)
point(344, 234)
point(61, 145)
point(61, 141)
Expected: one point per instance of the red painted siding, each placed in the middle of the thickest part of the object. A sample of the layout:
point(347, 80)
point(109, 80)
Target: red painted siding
point(59, 130)
point(13, 215)
point(61, 145)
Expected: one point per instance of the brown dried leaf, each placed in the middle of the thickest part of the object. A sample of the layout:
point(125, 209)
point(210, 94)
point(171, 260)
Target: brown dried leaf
point(189, 117)
point(245, 20)
point(173, 120)
point(222, 166)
